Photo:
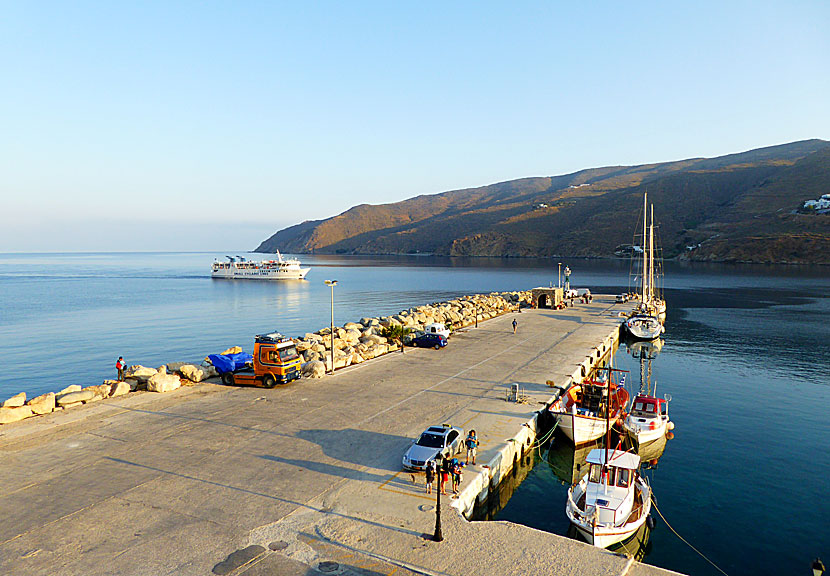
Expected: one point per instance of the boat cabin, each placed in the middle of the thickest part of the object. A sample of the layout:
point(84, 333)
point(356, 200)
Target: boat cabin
point(649, 407)
point(611, 485)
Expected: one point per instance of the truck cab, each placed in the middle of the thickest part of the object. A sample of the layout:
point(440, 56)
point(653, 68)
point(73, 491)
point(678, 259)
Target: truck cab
point(275, 361)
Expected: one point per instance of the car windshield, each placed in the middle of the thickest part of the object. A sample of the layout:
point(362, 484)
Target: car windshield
point(431, 440)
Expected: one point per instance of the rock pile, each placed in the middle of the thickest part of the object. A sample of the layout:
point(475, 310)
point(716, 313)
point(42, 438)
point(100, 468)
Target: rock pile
point(357, 342)
point(354, 343)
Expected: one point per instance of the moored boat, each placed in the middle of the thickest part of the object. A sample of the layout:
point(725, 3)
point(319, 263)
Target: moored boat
point(648, 419)
point(582, 411)
point(646, 321)
point(242, 268)
point(612, 502)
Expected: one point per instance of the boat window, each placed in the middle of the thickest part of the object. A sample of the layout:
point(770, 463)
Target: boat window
point(594, 475)
point(650, 408)
point(289, 353)
point(623, 478)
point(638, 406)
point(612, 475)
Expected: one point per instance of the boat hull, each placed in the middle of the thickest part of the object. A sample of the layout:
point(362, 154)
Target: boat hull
point(260, 273)
point(580, 429)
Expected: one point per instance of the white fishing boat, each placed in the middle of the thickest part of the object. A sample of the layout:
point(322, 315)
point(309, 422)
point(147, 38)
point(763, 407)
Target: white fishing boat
point(645, 322)
point(612, 502)
point(242, 268)
point(581, 412)
point(648, 419)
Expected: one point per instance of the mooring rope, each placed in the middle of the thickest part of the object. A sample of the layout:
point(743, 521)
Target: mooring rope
point(702, 555)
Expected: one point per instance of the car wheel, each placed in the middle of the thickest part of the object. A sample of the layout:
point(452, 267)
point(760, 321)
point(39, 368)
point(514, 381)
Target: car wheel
point(437, 346)
point(227, 379)
point(269, 381)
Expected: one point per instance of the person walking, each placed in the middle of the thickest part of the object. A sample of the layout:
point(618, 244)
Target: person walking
point(515, 325)
point(472, 446)
point(430, 474)
point(120, 366)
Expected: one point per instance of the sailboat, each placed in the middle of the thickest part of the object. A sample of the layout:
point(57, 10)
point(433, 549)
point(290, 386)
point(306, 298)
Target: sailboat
point(612, 501)
point(644, 323)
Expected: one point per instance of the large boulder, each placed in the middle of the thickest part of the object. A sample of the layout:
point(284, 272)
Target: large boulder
point(119, 389)
point(43, 404)
point(163, 383)
point(68, 389)
point(75, 397)
point(314, 369)
point(232, 350)
point(175, 366)
point(9, 414)
point(101, 390)
point(194, 373)
point(140, 373)
point(15, 401)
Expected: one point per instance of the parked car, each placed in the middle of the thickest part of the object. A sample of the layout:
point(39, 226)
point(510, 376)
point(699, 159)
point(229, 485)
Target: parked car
point(433, 442)
point(427, 340)
point(622, 298)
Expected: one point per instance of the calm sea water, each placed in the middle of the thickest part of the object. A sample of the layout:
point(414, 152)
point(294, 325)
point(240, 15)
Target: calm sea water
point(746, 359)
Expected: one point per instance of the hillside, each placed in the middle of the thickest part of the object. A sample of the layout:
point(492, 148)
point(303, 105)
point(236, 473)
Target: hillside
point(740, 207)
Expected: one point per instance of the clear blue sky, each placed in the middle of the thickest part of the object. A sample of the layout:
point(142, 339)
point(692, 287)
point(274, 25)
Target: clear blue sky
point(210, 125)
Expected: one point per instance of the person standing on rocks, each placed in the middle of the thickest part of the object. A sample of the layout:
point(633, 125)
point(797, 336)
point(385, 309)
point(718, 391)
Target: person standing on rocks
point(120, 365)
point(515, 325)
point(430, 474)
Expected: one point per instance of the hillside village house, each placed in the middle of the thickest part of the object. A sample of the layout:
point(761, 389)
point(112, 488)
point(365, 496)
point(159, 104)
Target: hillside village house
point(822, 203)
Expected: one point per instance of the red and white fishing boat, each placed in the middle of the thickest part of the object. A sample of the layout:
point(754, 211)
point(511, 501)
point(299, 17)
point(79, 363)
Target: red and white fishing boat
point(648, 419)
point(581, 412)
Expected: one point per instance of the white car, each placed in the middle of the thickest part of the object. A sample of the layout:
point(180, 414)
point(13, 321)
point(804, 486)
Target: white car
point(434, 442)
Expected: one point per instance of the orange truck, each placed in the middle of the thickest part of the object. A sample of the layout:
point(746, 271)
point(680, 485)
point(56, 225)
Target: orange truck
point(275, 361)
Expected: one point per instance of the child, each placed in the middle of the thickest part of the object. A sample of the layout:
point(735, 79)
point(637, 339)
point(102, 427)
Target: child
point(456, 476)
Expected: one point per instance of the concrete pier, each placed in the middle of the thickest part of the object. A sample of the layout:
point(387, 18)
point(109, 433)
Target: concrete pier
point(301, 479)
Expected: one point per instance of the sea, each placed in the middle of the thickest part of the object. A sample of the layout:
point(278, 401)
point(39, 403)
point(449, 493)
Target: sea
point(742, 488)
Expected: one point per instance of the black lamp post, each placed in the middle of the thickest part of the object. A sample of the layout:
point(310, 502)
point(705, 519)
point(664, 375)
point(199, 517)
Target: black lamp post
point(438, 536)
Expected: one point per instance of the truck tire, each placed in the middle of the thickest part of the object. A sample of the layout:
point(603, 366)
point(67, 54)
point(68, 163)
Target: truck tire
point(227, 379)
point(269, 381)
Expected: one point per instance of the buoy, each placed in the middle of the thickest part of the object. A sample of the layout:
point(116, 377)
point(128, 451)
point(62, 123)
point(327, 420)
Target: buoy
point(669, 435)
point(650, 522)
point(670, 425)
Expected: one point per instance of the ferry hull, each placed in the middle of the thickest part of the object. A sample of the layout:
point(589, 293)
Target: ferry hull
point(260, 274)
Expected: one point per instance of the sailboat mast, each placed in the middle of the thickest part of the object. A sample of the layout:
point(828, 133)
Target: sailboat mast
point(645, 254)
point(651, 257)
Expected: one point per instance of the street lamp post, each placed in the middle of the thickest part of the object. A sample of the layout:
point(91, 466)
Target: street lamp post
point(559, 277)
point(438, 536)
point(331, 284)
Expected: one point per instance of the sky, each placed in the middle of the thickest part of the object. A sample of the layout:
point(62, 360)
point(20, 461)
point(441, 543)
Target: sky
point(133, 126)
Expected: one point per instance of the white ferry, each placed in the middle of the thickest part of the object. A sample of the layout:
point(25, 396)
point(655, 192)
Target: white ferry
point(279, 269)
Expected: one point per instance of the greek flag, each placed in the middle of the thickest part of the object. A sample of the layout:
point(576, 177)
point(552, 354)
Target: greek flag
point(622, 380)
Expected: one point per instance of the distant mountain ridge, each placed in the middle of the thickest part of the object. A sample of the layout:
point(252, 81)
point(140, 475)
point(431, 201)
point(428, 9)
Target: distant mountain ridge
point(741, 207)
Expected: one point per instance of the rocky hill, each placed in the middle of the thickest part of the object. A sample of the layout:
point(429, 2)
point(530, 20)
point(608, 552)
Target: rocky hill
point(742, 207)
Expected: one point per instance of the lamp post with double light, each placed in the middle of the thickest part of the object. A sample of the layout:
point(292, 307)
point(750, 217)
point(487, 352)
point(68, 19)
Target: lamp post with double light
point(331, 284)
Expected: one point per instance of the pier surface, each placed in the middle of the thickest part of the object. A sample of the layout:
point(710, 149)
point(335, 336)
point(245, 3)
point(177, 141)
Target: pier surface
point(300, 479)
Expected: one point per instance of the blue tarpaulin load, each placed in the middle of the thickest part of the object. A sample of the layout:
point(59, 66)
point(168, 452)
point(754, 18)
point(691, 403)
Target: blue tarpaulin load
point(229, 362)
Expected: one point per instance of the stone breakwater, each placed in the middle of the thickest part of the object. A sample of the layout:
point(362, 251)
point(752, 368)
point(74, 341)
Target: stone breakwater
point(354, 343)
